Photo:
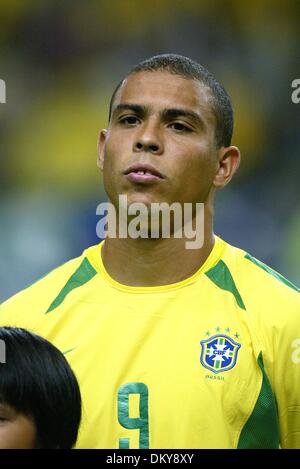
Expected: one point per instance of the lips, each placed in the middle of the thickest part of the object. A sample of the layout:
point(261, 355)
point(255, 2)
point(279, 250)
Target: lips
point(139, 173)
point(143, 170)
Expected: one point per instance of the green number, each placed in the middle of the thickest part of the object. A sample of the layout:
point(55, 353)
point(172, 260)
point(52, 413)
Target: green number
point(141, 422)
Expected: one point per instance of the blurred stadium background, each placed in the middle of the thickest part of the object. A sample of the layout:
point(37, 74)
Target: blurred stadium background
point(61, 61)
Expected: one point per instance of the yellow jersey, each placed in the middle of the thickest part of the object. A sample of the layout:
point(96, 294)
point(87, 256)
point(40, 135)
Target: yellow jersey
point(212, 361)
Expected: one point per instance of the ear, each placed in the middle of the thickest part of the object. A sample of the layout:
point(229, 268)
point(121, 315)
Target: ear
point(101, 148)
point(229, 160)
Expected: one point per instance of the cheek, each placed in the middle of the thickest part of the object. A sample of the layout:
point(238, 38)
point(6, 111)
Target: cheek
point(109, 162)
point(196, 175)
point(112, 170)
point(113, 157)
point(17, 435)
point(199, 166)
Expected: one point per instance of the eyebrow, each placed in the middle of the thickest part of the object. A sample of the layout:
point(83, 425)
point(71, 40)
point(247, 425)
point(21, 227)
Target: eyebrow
point(167, 114)
point(137, 108)
point(175, 113)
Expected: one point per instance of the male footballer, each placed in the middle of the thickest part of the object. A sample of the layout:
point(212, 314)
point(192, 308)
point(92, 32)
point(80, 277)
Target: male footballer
point(173, 346)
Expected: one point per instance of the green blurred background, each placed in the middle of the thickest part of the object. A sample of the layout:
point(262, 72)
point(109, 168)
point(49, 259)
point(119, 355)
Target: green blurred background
point(61, 61)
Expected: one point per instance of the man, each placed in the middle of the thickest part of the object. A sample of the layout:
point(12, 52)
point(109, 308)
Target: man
point(173, 347)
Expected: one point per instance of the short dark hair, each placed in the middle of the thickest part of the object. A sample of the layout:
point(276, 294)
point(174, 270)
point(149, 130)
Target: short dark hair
point(188, 68)
point(37, 381)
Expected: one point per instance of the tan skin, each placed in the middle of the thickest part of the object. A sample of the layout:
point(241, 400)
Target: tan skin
point(182, 146)
point(17, 431)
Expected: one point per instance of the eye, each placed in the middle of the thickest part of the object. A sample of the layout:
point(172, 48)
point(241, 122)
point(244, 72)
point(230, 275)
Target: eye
point(180, 127)
point(129, 120)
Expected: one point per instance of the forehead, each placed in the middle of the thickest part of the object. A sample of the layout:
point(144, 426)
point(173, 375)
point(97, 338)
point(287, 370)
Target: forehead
point(162, 89)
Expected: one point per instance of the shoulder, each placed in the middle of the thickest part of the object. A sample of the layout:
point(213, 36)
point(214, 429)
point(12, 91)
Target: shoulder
point(272, 314)
point(255, 276)
point(37, 298)
point(265, 292)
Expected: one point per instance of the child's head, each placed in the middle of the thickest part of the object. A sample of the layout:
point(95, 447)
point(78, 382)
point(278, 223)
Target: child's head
point(40, 403)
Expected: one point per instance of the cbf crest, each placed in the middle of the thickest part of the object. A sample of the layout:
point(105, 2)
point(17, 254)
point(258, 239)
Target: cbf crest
point(219, 353)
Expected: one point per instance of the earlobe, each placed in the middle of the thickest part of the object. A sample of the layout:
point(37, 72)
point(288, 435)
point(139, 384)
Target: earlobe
point(101, 148)
point(229, 161)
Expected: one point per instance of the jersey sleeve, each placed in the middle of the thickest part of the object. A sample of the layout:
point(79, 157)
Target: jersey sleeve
point(279, 329)
point(273, 310)
point(26, 308)
point(286, 377)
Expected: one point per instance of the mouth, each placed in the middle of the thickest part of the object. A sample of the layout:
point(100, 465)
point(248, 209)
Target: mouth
point(143, 173)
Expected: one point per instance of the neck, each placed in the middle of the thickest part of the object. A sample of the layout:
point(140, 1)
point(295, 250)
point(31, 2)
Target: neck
point(154, 262)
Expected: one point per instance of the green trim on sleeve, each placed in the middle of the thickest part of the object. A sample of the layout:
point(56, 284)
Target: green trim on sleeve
point(261, 430)
point(221, 276)
point(82, 275)
point(272, 272)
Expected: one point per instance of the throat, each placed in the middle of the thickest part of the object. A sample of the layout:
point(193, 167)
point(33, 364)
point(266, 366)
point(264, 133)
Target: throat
point(146, 263)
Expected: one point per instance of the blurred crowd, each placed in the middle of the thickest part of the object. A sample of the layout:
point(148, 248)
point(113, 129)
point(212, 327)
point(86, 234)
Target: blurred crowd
point(61, 60)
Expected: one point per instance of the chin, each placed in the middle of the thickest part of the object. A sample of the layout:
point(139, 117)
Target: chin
point(145, 199)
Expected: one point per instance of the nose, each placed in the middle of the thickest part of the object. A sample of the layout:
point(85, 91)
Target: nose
point(148, 139)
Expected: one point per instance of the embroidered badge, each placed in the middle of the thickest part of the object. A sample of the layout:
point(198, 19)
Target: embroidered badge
point(219, 353)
